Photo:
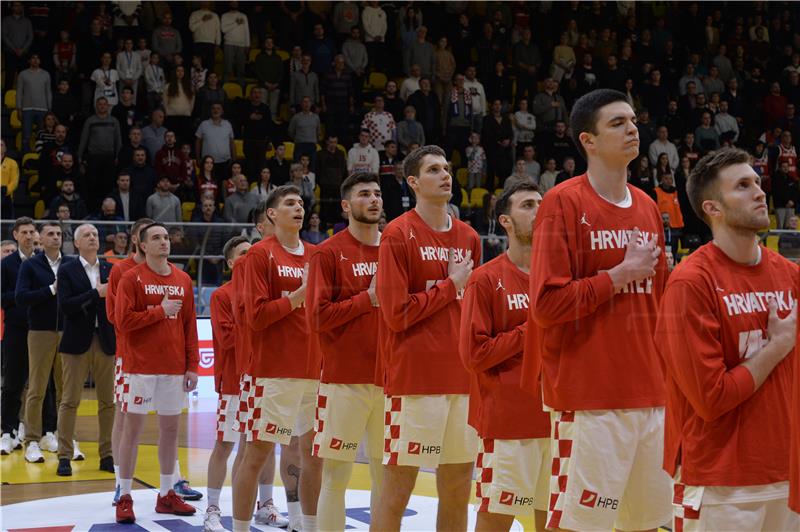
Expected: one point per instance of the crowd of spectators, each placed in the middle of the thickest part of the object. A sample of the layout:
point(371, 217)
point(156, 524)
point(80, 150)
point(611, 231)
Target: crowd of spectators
point(196, 110)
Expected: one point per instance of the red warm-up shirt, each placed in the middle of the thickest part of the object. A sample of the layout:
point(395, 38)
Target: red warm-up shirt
point(420, 307)
point(713, 317)
point(595, 346)
point(157, 345)
point(340, 311)
point(794, 459)
point(242, 333)
point(281, 341)
point(117, 271)
point(493, 327)
point(226, 380)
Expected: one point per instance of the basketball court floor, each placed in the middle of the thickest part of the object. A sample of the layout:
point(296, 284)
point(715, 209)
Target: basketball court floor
point(33, 498)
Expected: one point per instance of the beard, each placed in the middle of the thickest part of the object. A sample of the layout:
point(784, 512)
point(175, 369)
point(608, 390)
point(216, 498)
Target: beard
point(523, 235)
point(365, 217)
point(745, 221)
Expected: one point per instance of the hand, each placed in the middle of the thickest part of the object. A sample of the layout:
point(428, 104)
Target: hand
point(102, 289)
point(555, 104)
point(189, 381)
point(789, 204)
point(373, 297)
point(207, 17)
point(639, 262)
point(171, 306)
point(459, 272)
point(298, 297)
point(782, 332)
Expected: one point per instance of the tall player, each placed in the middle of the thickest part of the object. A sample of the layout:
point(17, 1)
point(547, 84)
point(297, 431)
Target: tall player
point(343, 310)
point(283, 393)
point(514, 458)
point(425, 259)
point(597, 273)
point(726, 332)
point(155, 308)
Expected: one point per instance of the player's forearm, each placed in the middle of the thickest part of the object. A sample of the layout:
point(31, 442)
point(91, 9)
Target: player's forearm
point(132, 320)
point(488, 352)
point(264, 313)
point(561, 302)
point(413, 308)
point(328, 315)
point(762, 363)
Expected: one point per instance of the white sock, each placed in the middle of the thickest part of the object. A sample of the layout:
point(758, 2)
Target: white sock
point(308, 523)
point(116, 475)
point(264, 492)
point(176, 474)
point(241, 526)
point(294, 511)
point(213, 496)
point(165, 484)
point(125, 486)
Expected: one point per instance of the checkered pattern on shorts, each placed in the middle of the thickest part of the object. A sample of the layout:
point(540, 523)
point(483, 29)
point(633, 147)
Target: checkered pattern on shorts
point(319, 423)
point(243, 411)
point(561, 446)
point(222, 408)
point(485, 472)
point(391, 441)
point(683, 513)
point(121, 385)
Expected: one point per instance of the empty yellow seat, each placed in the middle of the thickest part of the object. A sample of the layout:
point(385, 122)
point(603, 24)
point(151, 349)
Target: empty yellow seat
point(476, 196)
point(232, 90)
point(186, 210)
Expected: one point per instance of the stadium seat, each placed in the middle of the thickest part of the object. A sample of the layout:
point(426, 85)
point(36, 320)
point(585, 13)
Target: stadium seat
point(239, 147)
point(38, 210)
point(232, 90)
point(253, 54)
point(186, 210)
point(249, 87)
point(772, 242)
point(464, 202)
point(342, 149)
point(476, 196)
point(10, 99)
point(32, 181)
point(289, 150)
point(376, 81)
point(283, 54)
point(317, 193)
point(462, 176)
point(773, 222)
point(455, 159)
point(253, 186)
point(498, 192)
point(14, 121)
point(18, 141)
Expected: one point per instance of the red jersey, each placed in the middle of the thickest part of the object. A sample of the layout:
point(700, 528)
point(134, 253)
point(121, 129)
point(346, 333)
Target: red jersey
point(155, 344)
point(243, 344)
point(788, 155)
point(596, 346)
point(226, 380)
point(713, 317)
point(280, 337)
point(340, 310)
point(493, 327)
point(794, 458)
point(117, 271)
point(420, 306)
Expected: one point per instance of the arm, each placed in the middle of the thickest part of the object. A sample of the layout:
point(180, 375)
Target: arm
point(479, 349)
point(127, 312)
point(84, 139)
point(70, 301)
point(261, 311)
point(9, 289)
point(222, 333)
point(322, 313)
point(190, 329)
point(26, 294)
point(48, 93)
point(178, 212)
point(401, 309)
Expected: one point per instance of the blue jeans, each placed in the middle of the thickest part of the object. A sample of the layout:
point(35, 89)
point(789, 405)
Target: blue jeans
point(28, 118)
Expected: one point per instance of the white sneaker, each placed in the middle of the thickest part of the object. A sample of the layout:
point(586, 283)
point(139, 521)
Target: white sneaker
point(6, 444)
point(295, 525)
point(21, 432)
point(77, 455)
point(211, 522)
point(49, 443)
point(268, 514)
point(33, 454)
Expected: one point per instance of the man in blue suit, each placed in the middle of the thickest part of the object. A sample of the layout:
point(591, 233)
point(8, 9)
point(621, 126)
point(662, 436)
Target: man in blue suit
point(15, 335)
point(36, 291)
point(87, 343)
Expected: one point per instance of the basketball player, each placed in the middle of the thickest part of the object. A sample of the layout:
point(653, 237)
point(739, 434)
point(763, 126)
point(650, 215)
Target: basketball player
point(727, 332)
point(514, 458)
point(794, 459)
point(425, 259)
point(283, 388)
point(597, 272)
point(342, 311)
point(155, 307)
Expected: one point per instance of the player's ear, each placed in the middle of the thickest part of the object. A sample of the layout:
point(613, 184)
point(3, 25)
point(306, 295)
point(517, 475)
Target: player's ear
point(505, 221)
point(711, 208)
point(586, 139)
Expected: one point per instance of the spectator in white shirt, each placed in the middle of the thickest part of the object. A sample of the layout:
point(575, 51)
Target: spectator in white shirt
point(410, 85)
point(380, 124)
point(205, 27)
point(726, 124)
point(663, 145)
point(236, 30)
point(129, 67)
point(105, 80)
point(154, 81)
point(362, 157)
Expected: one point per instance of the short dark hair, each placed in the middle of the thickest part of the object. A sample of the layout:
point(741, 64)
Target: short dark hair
point(701, 184)
point(503, 205)
point(22, 220)
point(413, 161)
point(278, 194)
point(143, 232)
point(258, 211)
point(584, 113)
point(49, 224)
point(231, 245)
point(354, 179)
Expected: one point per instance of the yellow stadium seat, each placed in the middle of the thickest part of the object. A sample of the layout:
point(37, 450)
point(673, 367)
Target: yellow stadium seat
point(377, 81)
point(232, 90)
point(253, 54)
point(18, 141)
point(772, 242)
point(498, 192)
point(10, 99)
point(464, 201)
point(283, 54)
point(289, 150)
point(38, 210)
point(455, 159)
point(253, 186)
point(270, 153)
point(239, 147)
point(29, 162)
point(476, 196)
point(14, 121)
point(186, 210)
point(462, 176)
point(342, 149)
point(32, 180)
point(773, 222)
point(317, 193)
point(249, 87)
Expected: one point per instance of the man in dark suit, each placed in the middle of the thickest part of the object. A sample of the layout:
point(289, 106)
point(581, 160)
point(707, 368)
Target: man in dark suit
point(129, 206)
point(87, 343)
point(15, 336)
point(36, 290)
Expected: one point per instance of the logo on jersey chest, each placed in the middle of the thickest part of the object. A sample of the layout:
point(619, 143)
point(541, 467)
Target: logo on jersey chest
point(295, 272)
point(603, 239)
point(753, 302)
point(517, 301)
point(163, 289)
point(438, 253)
point(364, 269)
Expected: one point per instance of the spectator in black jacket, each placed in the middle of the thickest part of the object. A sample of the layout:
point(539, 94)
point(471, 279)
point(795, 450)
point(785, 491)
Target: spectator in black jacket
point(129, 206)
point(68, 196)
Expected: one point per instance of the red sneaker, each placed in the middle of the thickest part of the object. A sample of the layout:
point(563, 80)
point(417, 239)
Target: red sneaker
point(172, 504)
point(125, 510)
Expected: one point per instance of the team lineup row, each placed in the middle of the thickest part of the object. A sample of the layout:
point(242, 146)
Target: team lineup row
point(590, 385)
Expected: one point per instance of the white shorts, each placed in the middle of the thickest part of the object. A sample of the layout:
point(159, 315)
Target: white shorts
point(606, 470)
point(227, 406)
point(513, 476)
point(243, 407)
point(160, 393)
point(345, 412)
point(428, 431)
point(699, 508)
point(281, 408)
point(120, 381)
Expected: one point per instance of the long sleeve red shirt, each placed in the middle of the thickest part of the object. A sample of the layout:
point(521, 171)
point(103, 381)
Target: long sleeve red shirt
point(719, 429)
point(794, 459)
point(117, 271)
point(226, 380)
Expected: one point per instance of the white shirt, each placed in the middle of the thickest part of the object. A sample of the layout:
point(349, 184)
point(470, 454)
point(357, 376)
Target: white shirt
point(93, 273)
point(125, 198)
point(54, 264)
point(235, 34)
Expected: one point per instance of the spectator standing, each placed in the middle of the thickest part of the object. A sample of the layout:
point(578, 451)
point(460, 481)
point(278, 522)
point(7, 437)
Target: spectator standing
point(170, 162)
point(17, 36)
point(215, 138)
point(669, 206)
point(129, 68)
point(269, 72)
point(206, 35)
point(127, 113)
point(207, 182)
point(321, 49)
point(548, 178)
point(312, 234)
point(345, 18)
point(304, 130)
point(70, 198)
point(338, 102)
point(705, 134)
point(34, 98)
point(331, 171)
point(154, 80)
point(197, 73)
point(212, 268)
point(236, 32)
point(125, 158)
point(524, 124)
point(410, 131)
point(279, 166)
point(263, 186)
point(163, 206)
point(239, 205)
point(167, 41)
point(527, 61)
point(549, 106)
point(363, 157)
point(126, 18)
point(410, 85)
point(661, 145)
point(356, 59)
point(476, 162)
point(478, 95)
point(532, 166)
point(374, 19)
point(392, 102)
point(179, 103)
point(444, 70)
point(785, 195)
point(210, 93)
point(459, 116)
point(420, 53)
point(65, 104)
point(143, 176)
point(498, 85)
point(99, 146)
point(256, 130)
point(497, 135)
point(380, 124)
point(106, 81)
point(304, 84)
point(726, 125)
point(129, 206)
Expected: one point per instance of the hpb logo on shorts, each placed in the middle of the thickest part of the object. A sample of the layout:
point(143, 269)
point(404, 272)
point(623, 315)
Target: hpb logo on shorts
point(138, 400)
point(414, 447)
point(336, 444)
point(271, 428)
point(591, 499)
point(417, 448)
point(507, 498)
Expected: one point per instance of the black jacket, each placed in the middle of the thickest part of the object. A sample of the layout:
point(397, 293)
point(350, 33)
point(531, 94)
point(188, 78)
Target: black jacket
point(82, 306)
point(33, 292)
point(14, 315)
